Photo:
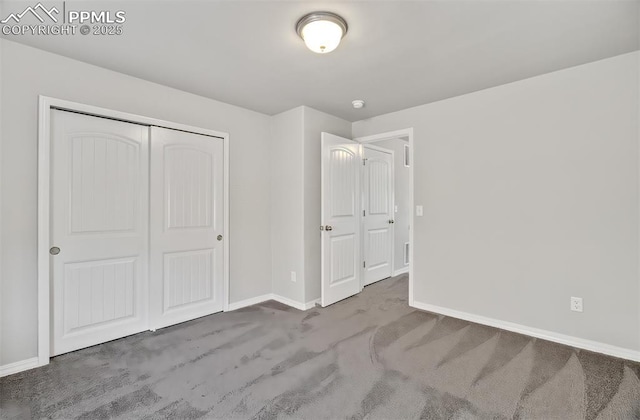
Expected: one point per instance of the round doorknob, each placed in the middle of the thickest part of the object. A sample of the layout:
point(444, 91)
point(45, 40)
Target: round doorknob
point(328, 227)
point(219, 237)
point(391, 221)
point(54, 250)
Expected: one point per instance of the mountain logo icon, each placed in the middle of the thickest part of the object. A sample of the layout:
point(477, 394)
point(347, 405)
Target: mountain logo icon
point(38, 11)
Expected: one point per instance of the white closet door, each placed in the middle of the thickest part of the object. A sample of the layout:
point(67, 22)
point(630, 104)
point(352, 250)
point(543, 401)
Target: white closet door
point(378, 214)
point(341, 260)
point(186, 222)
point(99, 209)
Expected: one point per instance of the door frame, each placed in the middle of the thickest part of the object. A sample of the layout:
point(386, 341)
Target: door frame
point(390, 135)
point(45, 106)
point(393, 206)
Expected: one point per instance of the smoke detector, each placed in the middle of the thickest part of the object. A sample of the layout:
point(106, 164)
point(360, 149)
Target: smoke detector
point(358, 103)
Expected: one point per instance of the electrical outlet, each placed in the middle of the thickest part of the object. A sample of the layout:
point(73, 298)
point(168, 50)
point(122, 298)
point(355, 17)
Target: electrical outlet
point(419, 211)
point(293, 276)
point(576, 304)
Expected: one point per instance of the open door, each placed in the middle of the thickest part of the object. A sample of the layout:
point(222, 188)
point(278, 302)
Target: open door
point(341, 202)
point(378, 214)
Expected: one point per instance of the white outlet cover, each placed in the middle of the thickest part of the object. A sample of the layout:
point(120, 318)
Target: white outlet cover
point(419, 211)
point(293, 276)
point(576, 304)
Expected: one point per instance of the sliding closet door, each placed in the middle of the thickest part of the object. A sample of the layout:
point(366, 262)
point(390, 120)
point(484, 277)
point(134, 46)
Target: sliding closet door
point(187, 224)
point(99, 230)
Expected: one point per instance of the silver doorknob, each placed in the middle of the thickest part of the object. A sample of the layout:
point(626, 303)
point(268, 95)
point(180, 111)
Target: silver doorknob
point(54, 250)
point(219, 237)
point(328, 227)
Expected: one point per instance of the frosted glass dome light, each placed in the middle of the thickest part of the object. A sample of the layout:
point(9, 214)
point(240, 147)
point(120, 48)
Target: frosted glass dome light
point(321, 31)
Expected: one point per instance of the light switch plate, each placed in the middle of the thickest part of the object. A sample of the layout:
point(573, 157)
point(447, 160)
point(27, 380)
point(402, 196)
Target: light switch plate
point(419, 211)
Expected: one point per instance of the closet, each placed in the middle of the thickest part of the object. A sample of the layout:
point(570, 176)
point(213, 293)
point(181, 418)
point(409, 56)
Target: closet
point(137, 224)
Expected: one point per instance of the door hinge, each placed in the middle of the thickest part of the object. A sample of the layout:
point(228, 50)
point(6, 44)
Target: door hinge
point(364, 264)
point(364, 161)
point(364, 212)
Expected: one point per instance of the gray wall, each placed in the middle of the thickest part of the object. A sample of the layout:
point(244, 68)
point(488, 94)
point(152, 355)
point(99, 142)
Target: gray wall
point(402, 217)
point(28, 72)
point(530, 194)
point(287, 203)
point(295, 199)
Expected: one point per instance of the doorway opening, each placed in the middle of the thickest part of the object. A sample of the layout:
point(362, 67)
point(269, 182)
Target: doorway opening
point(359, 244)
point(401, 143)
point(386, 210)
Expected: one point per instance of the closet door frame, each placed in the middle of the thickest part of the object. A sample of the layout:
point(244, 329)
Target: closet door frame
point(45, 106)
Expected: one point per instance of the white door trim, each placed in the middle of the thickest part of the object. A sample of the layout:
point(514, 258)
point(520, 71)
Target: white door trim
point(44, 171)
point(393, 205)
point(408, 134)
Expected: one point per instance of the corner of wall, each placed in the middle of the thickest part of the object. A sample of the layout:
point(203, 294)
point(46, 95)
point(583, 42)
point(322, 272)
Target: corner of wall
point(1, 137)
point(638, 143)
point(315, 122)
point(286, 203)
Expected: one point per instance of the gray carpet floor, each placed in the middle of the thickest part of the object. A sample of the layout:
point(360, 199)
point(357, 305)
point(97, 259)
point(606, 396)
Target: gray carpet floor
point(370, 356)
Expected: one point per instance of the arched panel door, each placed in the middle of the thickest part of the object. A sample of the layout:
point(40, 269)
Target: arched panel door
point(99, 230)
point(378, 214)
point(341, 163)
point(187, 226)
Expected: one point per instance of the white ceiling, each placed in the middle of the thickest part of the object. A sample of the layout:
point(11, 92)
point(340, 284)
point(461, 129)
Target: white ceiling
point(397, 54)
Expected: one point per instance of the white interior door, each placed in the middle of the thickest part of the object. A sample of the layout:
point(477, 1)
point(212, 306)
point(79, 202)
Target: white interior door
point(99, 230)
point(341, 260)
point(187, 224)
point(378, 214)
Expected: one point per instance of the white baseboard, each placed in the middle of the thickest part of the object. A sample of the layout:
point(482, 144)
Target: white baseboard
point(400, 271)
point(568, 340)
point(20, 366)
point(33, 362)
point(295, 304)
point(250, 301)
point(277, 298)
point(312, 304)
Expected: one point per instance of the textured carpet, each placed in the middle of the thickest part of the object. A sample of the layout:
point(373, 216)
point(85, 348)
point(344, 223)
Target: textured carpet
point(370, 356)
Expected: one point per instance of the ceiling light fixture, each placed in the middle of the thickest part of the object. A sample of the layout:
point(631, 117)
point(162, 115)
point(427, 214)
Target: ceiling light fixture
point(321, 31)
point(358, 103)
